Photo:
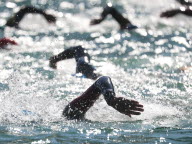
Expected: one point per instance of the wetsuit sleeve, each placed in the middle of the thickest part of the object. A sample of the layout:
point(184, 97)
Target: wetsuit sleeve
point(79, 106)
point(73, 52)
point(123, 22)
point(14, 21)
point(170, 13)
point(173, 12)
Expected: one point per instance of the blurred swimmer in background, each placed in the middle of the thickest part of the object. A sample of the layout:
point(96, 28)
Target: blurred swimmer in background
point(17, 17)
point(186, 9)
point(124, 23)
point(78, 107)
point(5, 41)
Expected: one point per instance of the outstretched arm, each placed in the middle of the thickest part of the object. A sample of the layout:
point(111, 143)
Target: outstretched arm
point(82, 59)
point(73, 52)
point(79, 106)
point(123, 105)
point(171, 13)
point(184, 2)
point(123, 22)
point(6, 41)
point(14, 21)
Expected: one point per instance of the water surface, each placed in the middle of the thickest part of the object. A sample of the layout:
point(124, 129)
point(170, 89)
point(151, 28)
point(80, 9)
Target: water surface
point(143, 65)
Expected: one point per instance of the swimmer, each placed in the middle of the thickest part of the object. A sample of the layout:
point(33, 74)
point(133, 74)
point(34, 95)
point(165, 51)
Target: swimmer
point(123, 22)
point(77, 108)
point(14, 21)
point(187, 10)
point(6, 41)
point(82, 59)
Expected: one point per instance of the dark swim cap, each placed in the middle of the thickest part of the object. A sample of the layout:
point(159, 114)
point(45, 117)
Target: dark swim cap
point(84, 67)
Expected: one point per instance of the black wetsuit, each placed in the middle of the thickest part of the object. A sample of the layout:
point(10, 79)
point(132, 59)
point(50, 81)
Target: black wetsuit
point(82, 59)
point(14, 21)
point(79, 106)
point(187, 10)
point(122, 21)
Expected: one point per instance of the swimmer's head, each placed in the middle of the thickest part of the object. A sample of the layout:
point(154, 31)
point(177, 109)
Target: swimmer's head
point(82, 53)
point(86, 69)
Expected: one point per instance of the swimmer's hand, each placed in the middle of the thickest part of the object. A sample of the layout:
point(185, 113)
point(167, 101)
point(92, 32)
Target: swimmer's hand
point(52, 64)
point(129, 27)
point(125, 106)
point(170, 13)
point(95, 21)
point(6, 41)
point(50, 18)
point(11, 22)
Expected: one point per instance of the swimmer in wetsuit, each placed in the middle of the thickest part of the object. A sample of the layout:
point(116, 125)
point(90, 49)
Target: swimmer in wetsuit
point(123, 22)
point(77, 109)
point(14, 21)
point(82, 59)
point(187, 10)
point(6, 41)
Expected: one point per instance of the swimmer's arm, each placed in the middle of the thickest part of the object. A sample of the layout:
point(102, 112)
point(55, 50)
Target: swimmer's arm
point(14, 21)
point(104, 14)
point(54, 59)
point(123, 22)
point(171, 13)
point(66, 54)
point(6, 41)
point(77, 108)
point(124, 106)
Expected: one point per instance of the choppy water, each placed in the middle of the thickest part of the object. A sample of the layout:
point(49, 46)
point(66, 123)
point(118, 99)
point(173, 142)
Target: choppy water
point(143, 65)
